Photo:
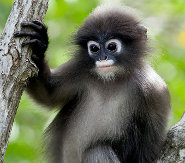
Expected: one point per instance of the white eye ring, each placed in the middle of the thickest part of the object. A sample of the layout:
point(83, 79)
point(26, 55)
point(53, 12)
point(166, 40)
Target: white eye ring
point(92, 43)
point(117, 42)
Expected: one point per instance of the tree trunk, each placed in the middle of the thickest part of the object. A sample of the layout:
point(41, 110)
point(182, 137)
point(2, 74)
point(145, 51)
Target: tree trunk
point(16, 68)
point(15, 64)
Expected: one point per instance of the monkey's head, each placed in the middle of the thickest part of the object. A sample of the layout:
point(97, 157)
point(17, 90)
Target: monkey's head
point(112, 42)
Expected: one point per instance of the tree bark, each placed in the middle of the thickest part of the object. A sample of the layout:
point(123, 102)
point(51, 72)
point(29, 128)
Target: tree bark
point(16, 66)
point(174, 147)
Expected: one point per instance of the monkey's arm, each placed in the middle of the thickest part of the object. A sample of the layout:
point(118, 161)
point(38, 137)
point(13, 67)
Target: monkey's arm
point(49, 87)
point(53, 87)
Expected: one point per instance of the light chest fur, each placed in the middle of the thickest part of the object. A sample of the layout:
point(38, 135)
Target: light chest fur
point(97, 117)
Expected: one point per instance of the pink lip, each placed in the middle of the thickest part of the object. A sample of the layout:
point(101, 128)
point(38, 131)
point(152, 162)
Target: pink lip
point(105, 69)
point(105, 66)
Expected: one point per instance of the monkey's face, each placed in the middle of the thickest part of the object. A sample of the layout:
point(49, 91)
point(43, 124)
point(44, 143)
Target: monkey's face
point(104, 54)
point(111, 43)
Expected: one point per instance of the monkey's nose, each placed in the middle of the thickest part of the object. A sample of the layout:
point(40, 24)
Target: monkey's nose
point(103, 58)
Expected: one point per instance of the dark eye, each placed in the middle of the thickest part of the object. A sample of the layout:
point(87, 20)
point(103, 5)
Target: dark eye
point(94, 48)
point(112, 46)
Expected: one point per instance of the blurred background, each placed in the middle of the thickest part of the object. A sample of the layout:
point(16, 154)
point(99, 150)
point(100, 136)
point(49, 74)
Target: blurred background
point(165, 21)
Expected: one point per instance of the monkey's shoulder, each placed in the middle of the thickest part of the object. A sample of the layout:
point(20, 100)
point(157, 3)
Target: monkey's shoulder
point(149, 82)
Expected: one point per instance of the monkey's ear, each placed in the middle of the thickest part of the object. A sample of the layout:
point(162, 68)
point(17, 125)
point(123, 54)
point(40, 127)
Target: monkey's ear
point(142, 31)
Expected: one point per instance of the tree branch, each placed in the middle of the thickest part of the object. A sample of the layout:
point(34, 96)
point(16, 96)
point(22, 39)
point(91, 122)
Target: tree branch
point(15, 64)
point(174, 147)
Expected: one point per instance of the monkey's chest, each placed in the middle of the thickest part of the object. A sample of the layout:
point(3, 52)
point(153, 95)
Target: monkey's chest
point(96, 118)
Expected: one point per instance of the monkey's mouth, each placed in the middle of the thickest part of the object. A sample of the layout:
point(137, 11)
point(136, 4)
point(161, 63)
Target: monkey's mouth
point(104, 63)
point(105, 66)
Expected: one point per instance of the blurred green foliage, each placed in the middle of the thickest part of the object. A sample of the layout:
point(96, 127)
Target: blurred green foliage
point(166, 30)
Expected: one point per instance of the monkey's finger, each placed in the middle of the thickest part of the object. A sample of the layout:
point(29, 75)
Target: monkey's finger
point(34, 42)
point(34, 57)
point(27, 33)
point(32, 25)
point(39, 23)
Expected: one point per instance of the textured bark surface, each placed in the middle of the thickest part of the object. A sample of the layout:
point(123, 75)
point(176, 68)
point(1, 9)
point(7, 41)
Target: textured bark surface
point(15, 64)
point(174, 148)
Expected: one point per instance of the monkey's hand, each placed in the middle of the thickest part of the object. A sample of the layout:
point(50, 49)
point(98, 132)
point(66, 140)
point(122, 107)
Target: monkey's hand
point(37, 32)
